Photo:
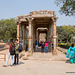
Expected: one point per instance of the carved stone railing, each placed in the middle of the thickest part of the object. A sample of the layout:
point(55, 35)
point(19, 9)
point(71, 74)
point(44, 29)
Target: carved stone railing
point(23, 18)
point(36, 13)
point(43, 12)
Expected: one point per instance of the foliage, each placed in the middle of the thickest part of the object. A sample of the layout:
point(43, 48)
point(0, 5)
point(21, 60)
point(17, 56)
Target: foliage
point(66, 6)
point(8, 29)
point(64, 45)
point(65, 33)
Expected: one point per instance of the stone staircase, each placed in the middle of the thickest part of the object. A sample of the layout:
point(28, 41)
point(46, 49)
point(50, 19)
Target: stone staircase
point(47, 56)
point(63, 50)
point(3, 46)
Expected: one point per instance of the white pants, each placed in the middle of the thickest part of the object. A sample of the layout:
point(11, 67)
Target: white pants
point(8, 59)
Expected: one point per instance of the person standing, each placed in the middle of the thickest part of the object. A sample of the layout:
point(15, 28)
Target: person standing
point(36, 45)
point(42, 47)
point(71, 53)
point(26, 43)
point(52, 47)
point(11, 53)
point(46, 46)
point(16, 58)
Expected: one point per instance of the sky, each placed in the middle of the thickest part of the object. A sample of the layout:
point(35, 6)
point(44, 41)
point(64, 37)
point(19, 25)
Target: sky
point(13, 8)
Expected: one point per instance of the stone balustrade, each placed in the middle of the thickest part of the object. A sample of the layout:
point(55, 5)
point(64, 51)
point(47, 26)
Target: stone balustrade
point(42, 12)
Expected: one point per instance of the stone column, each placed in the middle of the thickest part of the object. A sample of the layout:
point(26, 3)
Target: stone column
point(54, 37)
point(20, 33)
point(26, 34)
point(30, 37)
point(49, 31)
point(18, 27)
point(24, 28)
point(34, 36)
point(47, 35)
point(37, 35)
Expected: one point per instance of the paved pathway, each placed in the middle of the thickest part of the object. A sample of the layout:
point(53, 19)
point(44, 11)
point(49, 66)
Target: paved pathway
point(40, 66)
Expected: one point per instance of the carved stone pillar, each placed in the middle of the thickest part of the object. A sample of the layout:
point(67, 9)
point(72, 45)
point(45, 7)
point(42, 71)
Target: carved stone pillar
point(30, 37)
point(37, 35)
point(54, 37)
point(47, 35)
point(49, 30)
point(24, 28)
point(20, 33)
point(18, 36)
point(34, 36)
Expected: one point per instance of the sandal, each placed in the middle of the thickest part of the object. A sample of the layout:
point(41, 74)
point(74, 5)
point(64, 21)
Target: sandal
point(11, 65)
point(4, 66)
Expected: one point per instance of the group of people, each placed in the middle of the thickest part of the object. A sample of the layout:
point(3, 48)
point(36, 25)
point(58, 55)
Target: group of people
point(14, 49)
point(44, 45)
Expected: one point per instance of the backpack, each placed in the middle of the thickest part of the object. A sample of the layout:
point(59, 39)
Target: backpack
point(12, 51)
point(20, 48)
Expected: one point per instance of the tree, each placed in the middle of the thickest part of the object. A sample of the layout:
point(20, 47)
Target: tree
point(67, 7)
point(65, 33)
point(8, 29)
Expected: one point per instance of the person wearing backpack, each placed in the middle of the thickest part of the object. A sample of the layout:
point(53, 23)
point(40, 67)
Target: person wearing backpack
point(20, 48)
point(26, 43)
point(11, 53)
point(17, 48)
point(42, 46)
point(36, 45)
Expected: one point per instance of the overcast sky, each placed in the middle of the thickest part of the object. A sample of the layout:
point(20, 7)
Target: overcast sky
point(13, 8)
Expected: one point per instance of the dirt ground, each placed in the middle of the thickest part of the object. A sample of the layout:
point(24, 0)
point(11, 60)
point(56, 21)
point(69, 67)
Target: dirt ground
point(38, 64)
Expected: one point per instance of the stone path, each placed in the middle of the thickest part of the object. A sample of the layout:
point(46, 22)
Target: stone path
point(38, 67)
point(39, 64)
point(48, 56)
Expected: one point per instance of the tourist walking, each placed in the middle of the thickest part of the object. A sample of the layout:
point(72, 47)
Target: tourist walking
point(71, 53)
point(36, 45)
point(11, 53)
point(42, 47)
point(52, 47)
point(17, 48)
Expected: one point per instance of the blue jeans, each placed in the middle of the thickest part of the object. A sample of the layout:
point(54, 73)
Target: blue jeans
point(42, 49)
point(46, 48)
point(16, 57)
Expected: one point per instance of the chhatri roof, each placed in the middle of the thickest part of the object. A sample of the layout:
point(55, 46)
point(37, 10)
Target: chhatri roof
point(37, 14)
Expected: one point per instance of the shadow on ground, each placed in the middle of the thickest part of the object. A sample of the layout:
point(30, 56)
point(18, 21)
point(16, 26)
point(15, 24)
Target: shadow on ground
point(67, 61)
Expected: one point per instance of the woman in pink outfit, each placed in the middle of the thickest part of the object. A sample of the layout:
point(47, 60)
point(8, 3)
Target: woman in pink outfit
point(46, 46)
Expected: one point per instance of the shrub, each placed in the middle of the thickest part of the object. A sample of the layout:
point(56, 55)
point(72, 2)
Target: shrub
point(64, 45)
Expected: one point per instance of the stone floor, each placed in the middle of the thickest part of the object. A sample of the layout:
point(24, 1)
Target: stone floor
point(39, 64)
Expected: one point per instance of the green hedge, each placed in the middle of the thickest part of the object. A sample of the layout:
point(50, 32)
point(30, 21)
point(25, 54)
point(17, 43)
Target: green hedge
point(64, 46)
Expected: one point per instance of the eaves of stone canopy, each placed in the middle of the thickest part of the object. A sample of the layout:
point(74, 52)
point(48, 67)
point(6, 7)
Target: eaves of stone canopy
point(37, 14)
